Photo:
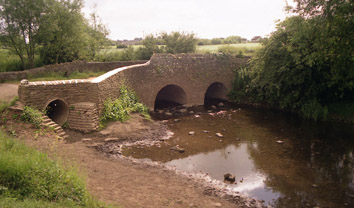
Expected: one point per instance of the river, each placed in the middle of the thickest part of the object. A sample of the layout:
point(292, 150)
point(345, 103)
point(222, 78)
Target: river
point(275, 156)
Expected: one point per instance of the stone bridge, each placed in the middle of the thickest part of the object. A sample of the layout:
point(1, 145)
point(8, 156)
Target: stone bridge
point(185, 79)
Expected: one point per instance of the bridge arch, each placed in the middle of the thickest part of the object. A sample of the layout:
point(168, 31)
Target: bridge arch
point(216, 92)
point(57, 110)
point(170, 96)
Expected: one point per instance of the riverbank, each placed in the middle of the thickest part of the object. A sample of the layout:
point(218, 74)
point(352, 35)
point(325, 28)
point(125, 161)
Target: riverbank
point(120, 181)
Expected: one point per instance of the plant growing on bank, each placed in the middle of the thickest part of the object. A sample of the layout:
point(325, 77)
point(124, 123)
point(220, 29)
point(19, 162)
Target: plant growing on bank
point(120, 108)
point(29, 178)
point(33, 116)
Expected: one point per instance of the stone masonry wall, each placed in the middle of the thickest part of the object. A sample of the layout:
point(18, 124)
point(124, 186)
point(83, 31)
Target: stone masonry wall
point(83, 117)
point(192, 72)
point(67, 68)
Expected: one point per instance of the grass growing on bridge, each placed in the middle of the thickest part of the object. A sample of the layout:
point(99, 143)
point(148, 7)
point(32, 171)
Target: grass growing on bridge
point(119, 109)
point(29, 178)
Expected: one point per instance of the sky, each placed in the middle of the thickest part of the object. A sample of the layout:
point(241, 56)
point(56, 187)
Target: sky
point(128, 19)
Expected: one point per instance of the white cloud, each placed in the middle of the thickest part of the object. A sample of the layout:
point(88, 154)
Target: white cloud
point(128, 19)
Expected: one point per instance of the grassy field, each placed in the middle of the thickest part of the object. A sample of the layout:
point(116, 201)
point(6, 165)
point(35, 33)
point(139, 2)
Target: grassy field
point(200, 49)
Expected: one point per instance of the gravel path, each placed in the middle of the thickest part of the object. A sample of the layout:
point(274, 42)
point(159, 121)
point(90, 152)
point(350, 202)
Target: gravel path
point(8, 92)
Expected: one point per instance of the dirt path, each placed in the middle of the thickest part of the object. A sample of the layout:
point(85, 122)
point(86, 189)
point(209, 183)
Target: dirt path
point(8, 92)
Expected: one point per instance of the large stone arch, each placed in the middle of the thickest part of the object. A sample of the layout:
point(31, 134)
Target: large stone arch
point(215, 92)
point(57, 110)
point(170, 96)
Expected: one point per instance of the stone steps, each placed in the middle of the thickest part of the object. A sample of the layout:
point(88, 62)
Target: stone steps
point(47, 122)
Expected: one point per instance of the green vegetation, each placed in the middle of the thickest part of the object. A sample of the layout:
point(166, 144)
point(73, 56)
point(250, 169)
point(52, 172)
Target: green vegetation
point(307, 64)
point(50, 76)
point(119, 109)
point(42, 32)
point(33, 116)
point(4, 105)
point(29, 178)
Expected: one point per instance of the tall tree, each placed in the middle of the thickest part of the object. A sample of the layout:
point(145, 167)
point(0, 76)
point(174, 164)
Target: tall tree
point(20, 22)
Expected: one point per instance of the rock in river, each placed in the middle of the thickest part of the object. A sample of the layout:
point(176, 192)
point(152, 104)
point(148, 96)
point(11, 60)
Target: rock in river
point(229, 177)
point(219, 135)
point(177, 148)
point(191, 133)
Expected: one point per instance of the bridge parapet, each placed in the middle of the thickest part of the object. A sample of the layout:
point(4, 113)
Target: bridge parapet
point(190, 75)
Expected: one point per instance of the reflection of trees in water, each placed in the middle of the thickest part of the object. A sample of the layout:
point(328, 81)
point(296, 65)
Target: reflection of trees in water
point(313, 155)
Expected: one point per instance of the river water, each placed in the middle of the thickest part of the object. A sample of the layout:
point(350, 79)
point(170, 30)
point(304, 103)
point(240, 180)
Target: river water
point(276, 157)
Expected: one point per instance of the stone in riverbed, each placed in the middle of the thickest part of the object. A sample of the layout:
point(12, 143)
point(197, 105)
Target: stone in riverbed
point(178, 149)
point(229, 177)
point(219, 135)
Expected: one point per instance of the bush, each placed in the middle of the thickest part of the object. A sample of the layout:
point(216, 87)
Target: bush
point(119, 109)
point(122, 46)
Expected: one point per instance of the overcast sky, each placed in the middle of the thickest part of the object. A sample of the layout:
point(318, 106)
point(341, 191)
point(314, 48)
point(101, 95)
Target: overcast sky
point(127, 19)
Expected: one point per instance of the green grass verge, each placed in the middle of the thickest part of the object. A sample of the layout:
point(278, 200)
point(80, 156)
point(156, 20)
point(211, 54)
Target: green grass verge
point(29, 178)
point(51, 76)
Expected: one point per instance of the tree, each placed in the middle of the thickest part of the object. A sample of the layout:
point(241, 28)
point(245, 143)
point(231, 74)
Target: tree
point(63, 36)
point(54, 29)
point(20, 22)
point(177, 42)
point(308, 62)
point(232, 40)
point(150, 46)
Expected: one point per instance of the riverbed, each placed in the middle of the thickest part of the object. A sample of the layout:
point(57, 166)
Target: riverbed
point(276, 157)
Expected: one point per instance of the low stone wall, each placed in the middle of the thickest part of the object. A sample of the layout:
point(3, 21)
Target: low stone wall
point(67, 68)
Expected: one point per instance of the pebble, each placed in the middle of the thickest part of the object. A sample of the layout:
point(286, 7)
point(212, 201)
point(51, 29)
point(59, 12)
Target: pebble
point(280, 142)
point(217, 204)
point(191, 112)
point(221, 104)
point(213, 107)
point(197, 116)
point(86, 140)
point(206, 131)
point(111, 139)
point(219, 135)
point(191, 133)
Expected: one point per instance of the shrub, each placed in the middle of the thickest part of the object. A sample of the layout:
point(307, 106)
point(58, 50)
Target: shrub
point(33, 116)
point(119, 109)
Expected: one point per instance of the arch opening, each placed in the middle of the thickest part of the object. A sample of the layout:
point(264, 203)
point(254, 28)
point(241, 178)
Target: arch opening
point(170, 96)
point(58, 111)
point(216, 93)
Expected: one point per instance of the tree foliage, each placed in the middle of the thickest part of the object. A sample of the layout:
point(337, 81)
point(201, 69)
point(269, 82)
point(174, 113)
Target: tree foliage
point(54, 29)
point(308, 61)
point(174, 42)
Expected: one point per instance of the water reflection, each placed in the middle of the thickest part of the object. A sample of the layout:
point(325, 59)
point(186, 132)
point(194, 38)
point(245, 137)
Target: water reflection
point(314, 166)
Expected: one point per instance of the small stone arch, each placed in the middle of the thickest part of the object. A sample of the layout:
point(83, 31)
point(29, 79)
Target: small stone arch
point(170, 96)
point(57, 110)
point(216, 92)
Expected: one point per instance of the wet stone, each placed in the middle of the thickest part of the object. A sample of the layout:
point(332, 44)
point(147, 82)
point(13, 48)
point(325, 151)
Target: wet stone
point(229, 177)
point(219, 135)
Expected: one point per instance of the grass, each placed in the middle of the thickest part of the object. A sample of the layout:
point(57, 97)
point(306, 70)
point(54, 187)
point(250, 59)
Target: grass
point(248, 49)
point(4, 105)
point(50, 76)
point(29, 178)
